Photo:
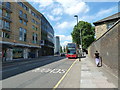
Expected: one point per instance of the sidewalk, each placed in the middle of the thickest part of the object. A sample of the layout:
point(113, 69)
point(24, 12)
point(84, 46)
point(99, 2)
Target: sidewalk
point(95, 77)
point(72, 79)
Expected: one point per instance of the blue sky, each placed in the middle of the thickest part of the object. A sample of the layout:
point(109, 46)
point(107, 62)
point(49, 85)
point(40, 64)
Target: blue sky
point(60, 14)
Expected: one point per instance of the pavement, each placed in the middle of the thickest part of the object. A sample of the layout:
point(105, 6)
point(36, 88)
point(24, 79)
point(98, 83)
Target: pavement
point(85, 74)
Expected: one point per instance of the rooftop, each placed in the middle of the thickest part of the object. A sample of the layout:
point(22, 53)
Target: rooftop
point(113, 17)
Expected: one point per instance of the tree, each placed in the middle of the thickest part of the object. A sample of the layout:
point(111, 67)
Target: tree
point(64, 49)
point(61, 51)
point(87, 33)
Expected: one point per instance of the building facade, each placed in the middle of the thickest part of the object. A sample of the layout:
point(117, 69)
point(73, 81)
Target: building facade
point(20, 30)
point(105, 24)
point(47, 37)
point(57, 45)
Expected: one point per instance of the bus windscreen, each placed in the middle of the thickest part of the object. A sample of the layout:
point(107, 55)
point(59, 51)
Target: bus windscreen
point(72, 51)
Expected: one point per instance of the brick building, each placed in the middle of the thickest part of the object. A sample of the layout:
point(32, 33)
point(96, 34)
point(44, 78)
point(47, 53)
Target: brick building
point(21, 31)
point(105, 24)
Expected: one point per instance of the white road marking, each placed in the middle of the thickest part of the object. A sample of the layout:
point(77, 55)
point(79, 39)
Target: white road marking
point(48, 70)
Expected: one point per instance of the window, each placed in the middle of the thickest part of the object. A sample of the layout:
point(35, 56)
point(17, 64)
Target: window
point(5, 35)
point(34, 38)
point(25, 23)
point(109, 25)
point(22, 34)
point(1, 24)
point(25, 7)
point(20, 20)
point(0, 2)
point(33, 20)
point(36, 28)
point(20, 3)
point(37, 23)
point(7, 24)
point(0, 12)
point(33, 27)
point(33, 13)
point(20, 12)
point(7, 15)
point(8, 4)
point(25, 15)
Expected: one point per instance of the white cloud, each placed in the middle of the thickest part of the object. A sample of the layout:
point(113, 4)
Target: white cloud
point(53, 18)
point(43, 3)
point(65, 25)
point(78, 8)
point(57, 11)
point(63, 37)
point(62, 25)
point(72, 7)
point(100, 14)
point(65, 43)
point(106, 11)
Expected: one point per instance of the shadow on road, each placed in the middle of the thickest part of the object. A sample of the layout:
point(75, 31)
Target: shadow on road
point(22, 67)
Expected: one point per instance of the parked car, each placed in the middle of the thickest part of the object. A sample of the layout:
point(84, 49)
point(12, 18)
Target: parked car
point(62, 54)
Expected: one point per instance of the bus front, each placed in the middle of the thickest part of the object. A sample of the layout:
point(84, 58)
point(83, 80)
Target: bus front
point(71, 53)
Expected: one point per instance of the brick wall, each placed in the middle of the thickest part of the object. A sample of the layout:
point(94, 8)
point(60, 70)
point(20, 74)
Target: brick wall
point(107, 46)
point(100, 30)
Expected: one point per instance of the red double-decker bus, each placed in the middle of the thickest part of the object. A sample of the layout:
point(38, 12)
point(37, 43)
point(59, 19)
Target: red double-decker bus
point(71, 50)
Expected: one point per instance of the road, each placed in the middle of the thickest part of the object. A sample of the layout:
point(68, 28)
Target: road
point(36, 74)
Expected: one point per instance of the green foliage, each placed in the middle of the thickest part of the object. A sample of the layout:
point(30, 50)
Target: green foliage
point(64, 49)
point(87, 33)
point(61, 51)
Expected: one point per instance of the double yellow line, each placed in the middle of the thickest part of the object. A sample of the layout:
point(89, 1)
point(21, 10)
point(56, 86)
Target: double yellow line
point(64, 75)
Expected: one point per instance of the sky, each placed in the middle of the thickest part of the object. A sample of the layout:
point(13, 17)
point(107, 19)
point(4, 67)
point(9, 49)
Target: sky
point(60, 14)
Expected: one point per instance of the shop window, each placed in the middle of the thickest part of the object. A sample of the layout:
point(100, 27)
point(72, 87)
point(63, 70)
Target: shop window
point(17, 53)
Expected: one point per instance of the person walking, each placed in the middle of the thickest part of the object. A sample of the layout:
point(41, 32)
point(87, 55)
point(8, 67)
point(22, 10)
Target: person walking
point(97, 59)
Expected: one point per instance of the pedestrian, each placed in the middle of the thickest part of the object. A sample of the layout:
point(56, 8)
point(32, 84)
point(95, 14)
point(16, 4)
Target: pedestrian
point(4, 56)
point(97, 59)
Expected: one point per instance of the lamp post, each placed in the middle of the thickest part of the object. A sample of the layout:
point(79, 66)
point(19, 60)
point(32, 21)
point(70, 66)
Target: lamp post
point(80, 34)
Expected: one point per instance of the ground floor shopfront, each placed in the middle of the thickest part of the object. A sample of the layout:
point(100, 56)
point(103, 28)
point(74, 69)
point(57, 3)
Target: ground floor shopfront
point(45, 50)
point(11, 52)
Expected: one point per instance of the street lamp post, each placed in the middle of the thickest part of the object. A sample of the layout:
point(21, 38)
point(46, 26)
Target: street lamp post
point(80, 34)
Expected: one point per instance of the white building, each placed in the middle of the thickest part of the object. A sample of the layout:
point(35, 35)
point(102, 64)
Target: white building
point(57, 45)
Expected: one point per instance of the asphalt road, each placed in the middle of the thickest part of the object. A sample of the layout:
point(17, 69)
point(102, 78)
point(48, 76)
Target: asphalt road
point(36, 74)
